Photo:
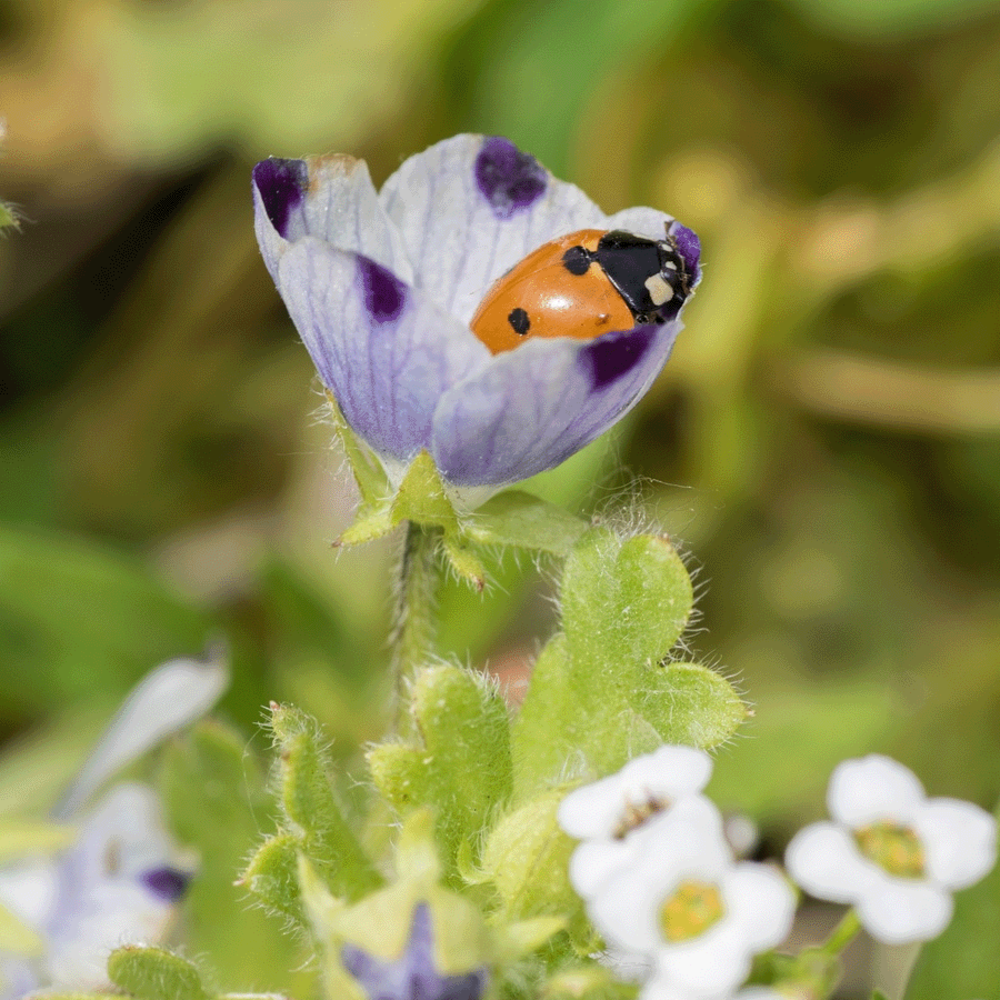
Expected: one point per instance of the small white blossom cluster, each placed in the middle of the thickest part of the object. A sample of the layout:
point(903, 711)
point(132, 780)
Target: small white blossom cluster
point(660, 882)
point(678, 913)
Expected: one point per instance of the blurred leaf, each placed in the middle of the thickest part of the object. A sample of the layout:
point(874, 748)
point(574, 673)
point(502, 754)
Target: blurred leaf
point(215, 799)
point(155, 974)
point(892, 16)
point(76, 618)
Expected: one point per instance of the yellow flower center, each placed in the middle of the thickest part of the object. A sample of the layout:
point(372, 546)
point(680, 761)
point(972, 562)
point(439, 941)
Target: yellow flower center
point(691, 910)
point(636, 813)
point(894, 847)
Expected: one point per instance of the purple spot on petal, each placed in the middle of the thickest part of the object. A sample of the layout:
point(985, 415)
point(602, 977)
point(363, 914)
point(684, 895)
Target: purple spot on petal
point(509, 180)
point(385, 294)
point(167, 883)
point(689, 247)
point(282, 185)
point(609, 358)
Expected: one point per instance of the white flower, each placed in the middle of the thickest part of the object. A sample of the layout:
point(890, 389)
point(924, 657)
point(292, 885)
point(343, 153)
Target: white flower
point(119, 879)
point(682, 901)
point(892, 852)
point(613, 815)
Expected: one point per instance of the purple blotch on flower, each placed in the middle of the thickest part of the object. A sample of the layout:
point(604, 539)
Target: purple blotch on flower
point(385, 294)
point(412, 976)
point(689, 247)
point(282, 185)
point(167, 883)
point(610, 357)
point(509, 180)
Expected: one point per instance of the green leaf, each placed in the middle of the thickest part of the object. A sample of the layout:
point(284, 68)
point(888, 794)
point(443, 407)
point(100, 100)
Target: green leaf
point(600, 693)
point(461, 767)
point(311, 809)
point(526, 857)
point(520, 520)
point(214, 796)
point(633, 597)
point(17, 938)
point(155, 974)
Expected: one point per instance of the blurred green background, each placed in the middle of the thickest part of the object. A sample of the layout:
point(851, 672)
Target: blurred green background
point(825, 443)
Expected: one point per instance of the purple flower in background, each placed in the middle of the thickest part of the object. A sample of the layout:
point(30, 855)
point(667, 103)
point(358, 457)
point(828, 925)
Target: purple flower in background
point(382, 286)
point(412, 976)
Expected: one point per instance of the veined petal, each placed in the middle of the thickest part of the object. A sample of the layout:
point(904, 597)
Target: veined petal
point(471, 207)
point(873, 788)
point(959, 841)
point(531, 408)
point(329, 197)
point(383, 348)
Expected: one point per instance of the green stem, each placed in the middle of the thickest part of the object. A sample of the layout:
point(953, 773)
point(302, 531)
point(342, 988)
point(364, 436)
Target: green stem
point(842, 935)
point(416, 621)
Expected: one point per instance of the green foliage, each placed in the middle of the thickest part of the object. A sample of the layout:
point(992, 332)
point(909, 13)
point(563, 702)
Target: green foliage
point(600, 689)
point(310, 808)
point(459, 765)
point(155, 974)
point(215, 797)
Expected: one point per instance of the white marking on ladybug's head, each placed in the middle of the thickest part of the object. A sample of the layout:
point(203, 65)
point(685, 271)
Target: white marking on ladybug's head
point(659, 291)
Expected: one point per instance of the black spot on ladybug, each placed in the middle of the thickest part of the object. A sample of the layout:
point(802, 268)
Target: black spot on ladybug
point(576, 260)
point(518, 319)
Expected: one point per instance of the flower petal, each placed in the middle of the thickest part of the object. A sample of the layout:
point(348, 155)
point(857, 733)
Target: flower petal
point(824, 860)
point(593, 863)
point(384, 350)
point(873, 788)
point(164, 701)
point(471, 207)
point(531, 408)
point(710, 965)
point(666, 774)
point(760, 902)
point(594, 810)
point(903, 911)
point(329, 197)
point(960, 841)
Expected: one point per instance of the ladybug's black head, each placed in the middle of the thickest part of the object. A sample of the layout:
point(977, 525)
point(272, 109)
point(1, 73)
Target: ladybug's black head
point(650, 275)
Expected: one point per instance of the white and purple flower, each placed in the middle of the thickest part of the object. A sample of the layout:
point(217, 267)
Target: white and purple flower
point(892, 852)
point(382, 285)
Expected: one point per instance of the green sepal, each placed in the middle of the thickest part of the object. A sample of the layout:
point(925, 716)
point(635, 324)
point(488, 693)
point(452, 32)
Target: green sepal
point(373, 484)
point(310, 807)
point(526, 858)
point(155, 974)
point(460, 764)
point(8, 220)
point(519, 520)
point(602, 690)
point(271, 876)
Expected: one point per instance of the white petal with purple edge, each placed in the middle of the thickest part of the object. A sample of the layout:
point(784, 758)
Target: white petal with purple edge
point(329, 197)
point(959, 839)
point(873, 788)
point(903, 911)
point(532, 408)
point(385, 351)
point(471, 207)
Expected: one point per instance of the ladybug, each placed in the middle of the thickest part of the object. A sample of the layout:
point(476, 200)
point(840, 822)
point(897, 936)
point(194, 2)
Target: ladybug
point(582, 285)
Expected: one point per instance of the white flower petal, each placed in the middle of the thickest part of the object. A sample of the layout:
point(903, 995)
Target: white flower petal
point(668, 773)
point(164, 701)
point(593, 810)
point(873, 788)
point(595, 861)
point(824, 860)
point(901, 911)
point(713, 963)
point(760, 902)
point(959, 840)
point(471, 207)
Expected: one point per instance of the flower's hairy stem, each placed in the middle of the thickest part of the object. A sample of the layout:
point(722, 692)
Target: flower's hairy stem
point(842, 935)
point(416, 625)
